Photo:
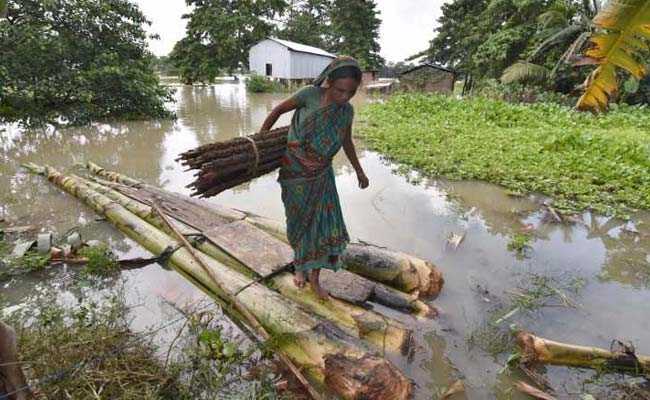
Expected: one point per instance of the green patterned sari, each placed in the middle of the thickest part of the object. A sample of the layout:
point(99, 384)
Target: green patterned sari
point(315, 226)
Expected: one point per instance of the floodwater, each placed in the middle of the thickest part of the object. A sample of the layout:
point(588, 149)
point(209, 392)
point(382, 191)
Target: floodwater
point(600, 266)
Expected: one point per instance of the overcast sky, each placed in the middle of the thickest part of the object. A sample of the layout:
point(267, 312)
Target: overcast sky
point(407, 25)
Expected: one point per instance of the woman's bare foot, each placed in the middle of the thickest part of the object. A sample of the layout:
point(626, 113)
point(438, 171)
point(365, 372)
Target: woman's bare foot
point(314, 281)
point(299, 279)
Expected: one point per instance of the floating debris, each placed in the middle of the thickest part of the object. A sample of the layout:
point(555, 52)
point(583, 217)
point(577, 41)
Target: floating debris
point(454, 240)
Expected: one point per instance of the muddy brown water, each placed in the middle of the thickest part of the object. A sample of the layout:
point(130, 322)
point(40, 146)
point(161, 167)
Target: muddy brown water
point(608, 265)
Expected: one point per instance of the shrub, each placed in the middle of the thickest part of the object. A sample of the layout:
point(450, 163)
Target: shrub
point(260, 84)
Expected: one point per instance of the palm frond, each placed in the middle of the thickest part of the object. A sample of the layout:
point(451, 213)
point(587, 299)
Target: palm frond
point(525, 72)
point(552, 18)
point(624, 29)
point(569, 55)
point(556, 38)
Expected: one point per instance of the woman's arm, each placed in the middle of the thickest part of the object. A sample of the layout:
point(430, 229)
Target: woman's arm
point(282, 108)
point(351, 153)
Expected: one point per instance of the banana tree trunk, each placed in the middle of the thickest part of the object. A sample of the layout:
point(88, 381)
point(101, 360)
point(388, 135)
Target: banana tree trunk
point(544, 351)
point(383, 332)
point(309, 341)
point(398, 270)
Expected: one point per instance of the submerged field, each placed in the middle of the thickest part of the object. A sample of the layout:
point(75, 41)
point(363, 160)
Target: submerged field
point(581, 160)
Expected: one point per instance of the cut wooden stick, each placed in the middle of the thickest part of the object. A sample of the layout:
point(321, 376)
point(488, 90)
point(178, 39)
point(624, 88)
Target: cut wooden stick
point(226, 164)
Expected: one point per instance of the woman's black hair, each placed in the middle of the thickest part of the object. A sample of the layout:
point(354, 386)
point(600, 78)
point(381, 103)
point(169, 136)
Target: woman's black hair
point(349, 71)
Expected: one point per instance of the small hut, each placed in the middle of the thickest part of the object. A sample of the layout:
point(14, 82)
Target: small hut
point(287, 61)
point(428, 77)
point(369, 76)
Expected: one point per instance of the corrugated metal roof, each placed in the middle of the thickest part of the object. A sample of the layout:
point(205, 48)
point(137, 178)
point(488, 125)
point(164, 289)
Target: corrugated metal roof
point(430, 65)
point(302, 48)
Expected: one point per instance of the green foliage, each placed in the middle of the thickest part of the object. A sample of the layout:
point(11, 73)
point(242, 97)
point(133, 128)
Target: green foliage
point(532, 293)
point(32, 261)
point(11, 266)
point(355, 31)
point(501, 49)
point(308, 22)
point(537, 291)
point(483, 38)
point(519, 243)
point(219, 35)
point(394, 70)
point(89, 349)
point(641, 93)
point(520, 93)
point(164, 66)
point(524, 72)
point(459, 33)
point(81, 350)
point(260, 84)
point(582, 161)
point(75, 61)
point(101, 260)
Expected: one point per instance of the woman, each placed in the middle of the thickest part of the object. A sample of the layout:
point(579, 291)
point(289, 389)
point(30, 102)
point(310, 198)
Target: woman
point(321, 124)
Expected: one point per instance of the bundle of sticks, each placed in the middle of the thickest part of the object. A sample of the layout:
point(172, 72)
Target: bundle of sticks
point(223, 165)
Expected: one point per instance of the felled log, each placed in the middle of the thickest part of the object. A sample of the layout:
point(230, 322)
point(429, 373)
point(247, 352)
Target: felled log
point(226, 164)
point(205, 217)
point(383, 332)
point(310, 341)
point(398, 270)
point(539, 350)
point(13, 385)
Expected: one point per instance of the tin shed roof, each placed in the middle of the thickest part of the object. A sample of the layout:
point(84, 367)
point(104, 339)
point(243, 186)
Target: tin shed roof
point(431, 65)
point(302, 48)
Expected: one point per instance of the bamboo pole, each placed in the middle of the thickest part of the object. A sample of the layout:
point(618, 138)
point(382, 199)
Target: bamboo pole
point(383, 332)
point(545, 351)
point(232, 300)
point(385, 295)
point(307, 340)
point(401, 271)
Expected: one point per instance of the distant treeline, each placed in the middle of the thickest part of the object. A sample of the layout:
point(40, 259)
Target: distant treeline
point(536, 43)
point(220, 32)
point(76, 61)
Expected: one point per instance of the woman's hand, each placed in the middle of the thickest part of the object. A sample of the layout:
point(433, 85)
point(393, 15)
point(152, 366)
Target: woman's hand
point(363, 180)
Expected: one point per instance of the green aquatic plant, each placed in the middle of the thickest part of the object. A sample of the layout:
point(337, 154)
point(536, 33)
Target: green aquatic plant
point(581, 160)
point(101, 260)
point(519, 243)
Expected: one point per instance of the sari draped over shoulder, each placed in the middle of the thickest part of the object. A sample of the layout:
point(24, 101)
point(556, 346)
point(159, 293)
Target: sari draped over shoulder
point(315, 226)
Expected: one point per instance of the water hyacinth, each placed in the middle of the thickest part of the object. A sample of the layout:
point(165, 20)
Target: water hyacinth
point(581, 160)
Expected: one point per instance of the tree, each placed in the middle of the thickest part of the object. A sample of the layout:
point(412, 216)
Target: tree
point(393, 70)
point(458, 36)
point(355, 31)
point(219, 34)
point(308, 22)
point(562, 32)
point(75, 61)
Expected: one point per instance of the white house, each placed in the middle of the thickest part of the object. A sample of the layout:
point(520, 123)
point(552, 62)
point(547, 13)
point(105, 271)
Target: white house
point(283, 59)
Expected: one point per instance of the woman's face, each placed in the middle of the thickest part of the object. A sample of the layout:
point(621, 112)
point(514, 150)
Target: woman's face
point(342, 90)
